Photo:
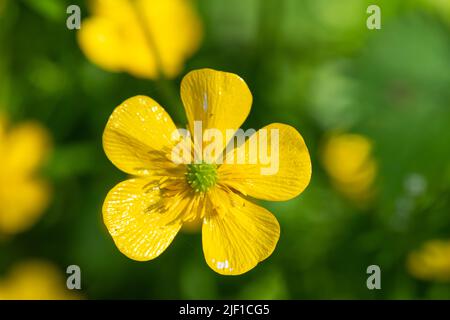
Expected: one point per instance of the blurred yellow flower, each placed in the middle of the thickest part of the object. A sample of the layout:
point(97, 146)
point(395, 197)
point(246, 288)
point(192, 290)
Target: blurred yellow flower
point(431, 261)
point(144, 214)
point(141, 37)
point(348, 160)
point(23, 196)
point(35, 280)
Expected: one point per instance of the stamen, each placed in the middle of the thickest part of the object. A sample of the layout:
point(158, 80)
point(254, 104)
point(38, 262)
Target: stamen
point(201, 176)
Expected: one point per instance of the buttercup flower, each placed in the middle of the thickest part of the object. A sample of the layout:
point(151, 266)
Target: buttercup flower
point(23, 196)
point(35, 280)
point(144, 214)
point(348, 159)
point(141, 37)
point(431, 261)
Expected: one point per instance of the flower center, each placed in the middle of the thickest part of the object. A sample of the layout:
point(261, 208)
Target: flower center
point(201, 176)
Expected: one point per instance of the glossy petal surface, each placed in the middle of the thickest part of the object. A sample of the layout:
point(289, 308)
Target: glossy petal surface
point(138, 137)
point(265, 179)
point(220, 100)
point(238, 234)
point(132, 213)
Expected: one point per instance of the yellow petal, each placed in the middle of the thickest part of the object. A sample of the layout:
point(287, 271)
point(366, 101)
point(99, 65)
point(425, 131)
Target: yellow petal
point(26, 147)
point(272, 178)
point(141, 37)
point(431, 261)
point(237, 235)
point(131, 213)
point(35, 280)
point(22, 203)
point(138, 137)
point(359, 188)
point(114, 40)
point(185, 35)
point(346, 156)
point(220, 100)
point(348, 160)
point(116, 10)
point(100, 41)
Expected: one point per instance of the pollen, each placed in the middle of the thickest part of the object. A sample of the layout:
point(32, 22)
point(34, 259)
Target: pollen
point(201, 176)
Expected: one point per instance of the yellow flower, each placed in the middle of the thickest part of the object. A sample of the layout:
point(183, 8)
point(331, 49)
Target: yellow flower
point(35, 280)
point(23, 196)
point(348, 159)
point(431, 261)
point(144, 214)
point(141, 37)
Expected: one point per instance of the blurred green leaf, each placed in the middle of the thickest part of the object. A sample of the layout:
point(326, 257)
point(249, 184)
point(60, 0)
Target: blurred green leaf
point(54, 10)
